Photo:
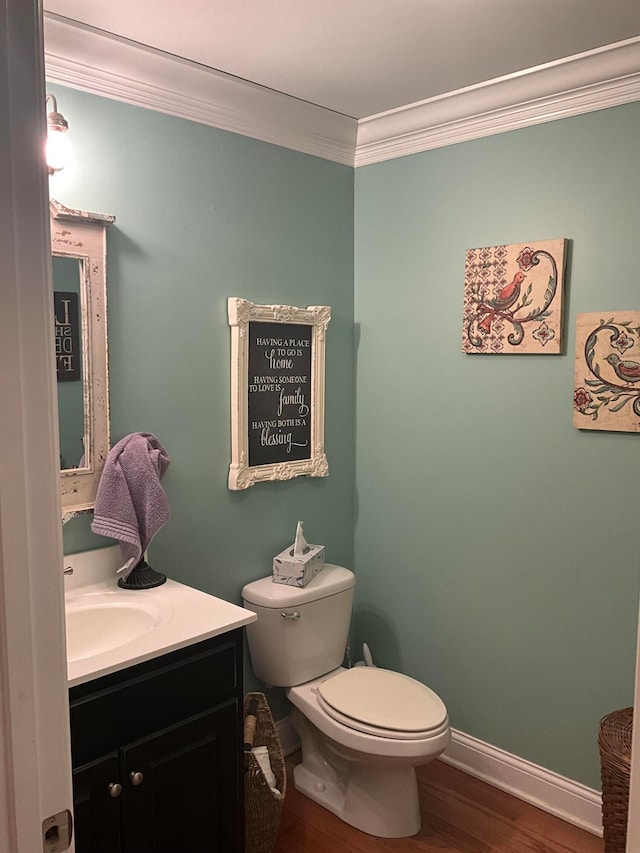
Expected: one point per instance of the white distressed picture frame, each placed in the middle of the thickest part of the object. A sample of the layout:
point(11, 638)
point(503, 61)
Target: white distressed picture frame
point(241, 312)
point(81, 235)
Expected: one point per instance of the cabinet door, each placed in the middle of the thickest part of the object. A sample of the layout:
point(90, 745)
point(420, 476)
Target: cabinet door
point(182, 787)
point(96, 809)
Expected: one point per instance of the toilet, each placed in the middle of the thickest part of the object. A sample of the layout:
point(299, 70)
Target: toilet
point(363, 730)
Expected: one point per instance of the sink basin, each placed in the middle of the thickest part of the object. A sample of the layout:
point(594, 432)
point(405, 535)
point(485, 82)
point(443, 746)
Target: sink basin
point(110, 628)
point(101, 623)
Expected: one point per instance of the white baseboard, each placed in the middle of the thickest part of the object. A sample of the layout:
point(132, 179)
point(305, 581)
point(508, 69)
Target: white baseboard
point(543, 788)
point(549, 791)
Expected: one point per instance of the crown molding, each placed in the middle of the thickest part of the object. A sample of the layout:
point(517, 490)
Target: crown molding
point(95, 61)
point(578, 84)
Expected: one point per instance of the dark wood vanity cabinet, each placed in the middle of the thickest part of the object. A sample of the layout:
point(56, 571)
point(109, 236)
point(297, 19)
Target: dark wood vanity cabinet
point(157, 754)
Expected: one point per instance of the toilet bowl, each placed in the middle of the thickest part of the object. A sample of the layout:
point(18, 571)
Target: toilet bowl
point(361, 771)
point(364, 730)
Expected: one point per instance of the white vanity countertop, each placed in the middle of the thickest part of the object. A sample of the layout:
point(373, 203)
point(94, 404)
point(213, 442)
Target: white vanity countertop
point(178, 616)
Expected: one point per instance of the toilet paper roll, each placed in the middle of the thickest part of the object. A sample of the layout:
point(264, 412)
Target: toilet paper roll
point(262, 757)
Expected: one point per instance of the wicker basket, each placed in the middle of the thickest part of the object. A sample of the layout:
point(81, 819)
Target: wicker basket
point(614, 742)
point(262, 808)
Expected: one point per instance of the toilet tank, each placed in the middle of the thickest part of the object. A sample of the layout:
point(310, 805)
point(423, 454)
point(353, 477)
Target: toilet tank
point(301, 632)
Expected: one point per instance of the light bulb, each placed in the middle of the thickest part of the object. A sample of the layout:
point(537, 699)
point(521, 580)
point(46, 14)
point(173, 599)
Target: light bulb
point(58, 150)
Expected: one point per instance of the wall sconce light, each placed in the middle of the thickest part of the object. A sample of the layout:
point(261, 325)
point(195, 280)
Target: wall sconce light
point(58, 147)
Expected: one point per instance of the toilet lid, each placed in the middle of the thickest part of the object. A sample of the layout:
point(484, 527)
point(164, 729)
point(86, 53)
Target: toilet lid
point(382, 702)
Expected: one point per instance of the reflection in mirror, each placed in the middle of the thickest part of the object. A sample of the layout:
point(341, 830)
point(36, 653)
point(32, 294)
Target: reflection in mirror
point(79, 248)
point(67, 299)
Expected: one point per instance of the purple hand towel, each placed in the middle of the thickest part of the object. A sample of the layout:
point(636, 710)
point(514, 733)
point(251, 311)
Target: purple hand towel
point(131, 505)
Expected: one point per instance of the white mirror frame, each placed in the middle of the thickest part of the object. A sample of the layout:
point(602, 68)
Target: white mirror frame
point(241, 313)
point(82, 235)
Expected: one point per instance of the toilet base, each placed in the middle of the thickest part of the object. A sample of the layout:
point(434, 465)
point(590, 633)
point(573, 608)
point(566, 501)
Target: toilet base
point(386, 807)
point(380, 799)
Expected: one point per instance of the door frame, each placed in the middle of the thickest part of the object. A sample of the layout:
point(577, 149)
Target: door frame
point(633, 828)
point(35, 755)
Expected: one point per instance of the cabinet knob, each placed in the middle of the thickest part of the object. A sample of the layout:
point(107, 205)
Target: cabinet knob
point(114, 789)
point(136, 778)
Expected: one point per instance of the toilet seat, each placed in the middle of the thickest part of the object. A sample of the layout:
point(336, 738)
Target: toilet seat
point(382, 703)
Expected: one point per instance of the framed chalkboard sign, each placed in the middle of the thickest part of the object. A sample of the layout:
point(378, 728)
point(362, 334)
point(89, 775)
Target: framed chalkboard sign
point(277, 392)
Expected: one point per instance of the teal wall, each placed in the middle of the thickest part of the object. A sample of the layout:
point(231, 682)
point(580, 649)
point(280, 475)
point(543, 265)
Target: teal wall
point(494, 543)
point(497, 546)
point(201, 215)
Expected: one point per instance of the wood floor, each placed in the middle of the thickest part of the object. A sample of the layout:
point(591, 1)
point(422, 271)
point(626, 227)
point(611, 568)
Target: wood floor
point(460, 814)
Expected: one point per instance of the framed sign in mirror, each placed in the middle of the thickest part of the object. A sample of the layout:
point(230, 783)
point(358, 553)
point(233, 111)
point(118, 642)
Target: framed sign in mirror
point(277, 392)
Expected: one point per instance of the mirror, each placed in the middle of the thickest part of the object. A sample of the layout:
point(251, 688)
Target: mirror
point(78, 248)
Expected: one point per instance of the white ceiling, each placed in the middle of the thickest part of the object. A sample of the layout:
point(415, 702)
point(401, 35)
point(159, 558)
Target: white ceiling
point(363, 57)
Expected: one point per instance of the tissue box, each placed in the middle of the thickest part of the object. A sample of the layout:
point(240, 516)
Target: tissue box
point(298, 571)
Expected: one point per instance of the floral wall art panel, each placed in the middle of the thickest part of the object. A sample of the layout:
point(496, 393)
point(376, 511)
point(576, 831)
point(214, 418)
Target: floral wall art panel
point(607, 378)
point(513, 298)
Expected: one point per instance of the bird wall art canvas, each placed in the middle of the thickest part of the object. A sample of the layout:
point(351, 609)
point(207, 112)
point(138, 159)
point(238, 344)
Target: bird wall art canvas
point(606, 393)
point(513, 298)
